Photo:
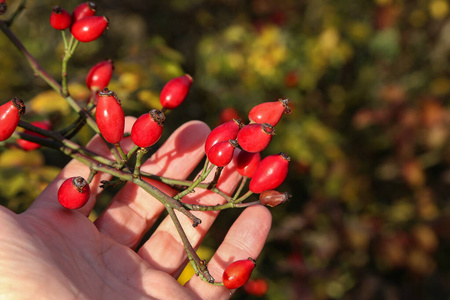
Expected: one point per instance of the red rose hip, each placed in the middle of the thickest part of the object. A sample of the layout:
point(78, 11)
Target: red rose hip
point(238, 273)
point(221, 153)
point(28, 145)
point(255, 137)
point(247, 163)
point(85, 9)
point(148, 128)
point(110, 116)
point(270, 173)
point(99, 75)
point(89, 29)
point(10, 113)
point(224, 132)
point(269, 112)
point(74, 193)
point(175, 91)
point(60, 19)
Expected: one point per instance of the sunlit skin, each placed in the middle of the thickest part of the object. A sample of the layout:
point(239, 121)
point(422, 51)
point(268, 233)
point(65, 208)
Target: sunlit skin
point(49, 252)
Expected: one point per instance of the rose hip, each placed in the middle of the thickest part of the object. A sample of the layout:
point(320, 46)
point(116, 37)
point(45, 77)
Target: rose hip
point(74, 193)
point(175, 91)
point(99, 75)
point(269, 112)
point(148, 128)
point(89, 29)
point(238, 273)
point(10, 113)
point(60, 19)
point(28, 145)
point(83, 10)
point(270, 173)
point(221, 153)
point(224, 132)
point(255, 137)
point(110, 116)
point(247, 163)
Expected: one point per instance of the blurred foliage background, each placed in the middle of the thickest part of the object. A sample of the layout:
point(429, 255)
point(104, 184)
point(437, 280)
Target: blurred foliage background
point(369, 134)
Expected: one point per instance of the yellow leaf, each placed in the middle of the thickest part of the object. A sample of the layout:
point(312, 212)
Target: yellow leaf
point(48, 102)
point(204, 253)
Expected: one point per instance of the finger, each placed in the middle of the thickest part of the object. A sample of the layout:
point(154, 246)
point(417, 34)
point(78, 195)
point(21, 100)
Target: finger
point(48, 198)
point(164, 250)
point(133, 211)
point(245, 239)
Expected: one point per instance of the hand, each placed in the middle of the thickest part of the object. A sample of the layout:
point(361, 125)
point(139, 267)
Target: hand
point(49, 252)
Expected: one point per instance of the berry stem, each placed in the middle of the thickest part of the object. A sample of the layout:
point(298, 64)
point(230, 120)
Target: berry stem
point(196, 207)
point(73, 128)
point(63, 33)
point(243, 197)
point(198, 264)
point(137, 168)
point(200, 178)
point(187, 183)
point(91, 176)
point(213, 183)
point(239, 190)
point(122, 156)
point(132, 151)
point(63, 142)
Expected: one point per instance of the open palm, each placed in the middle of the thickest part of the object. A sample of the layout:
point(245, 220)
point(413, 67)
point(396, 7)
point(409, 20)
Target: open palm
point(49, 252)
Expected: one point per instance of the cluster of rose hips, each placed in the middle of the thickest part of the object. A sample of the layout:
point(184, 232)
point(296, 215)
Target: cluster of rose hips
point(84, 25)
point(265, 174)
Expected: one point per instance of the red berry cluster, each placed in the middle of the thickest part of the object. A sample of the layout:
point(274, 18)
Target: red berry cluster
point(265, 174)
point(84, 25)
point(104, 114)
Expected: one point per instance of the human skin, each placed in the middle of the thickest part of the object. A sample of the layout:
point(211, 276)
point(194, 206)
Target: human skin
point(49, 252)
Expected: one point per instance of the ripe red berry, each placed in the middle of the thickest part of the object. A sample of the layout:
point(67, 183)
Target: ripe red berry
point(10, 113)
point(221, 153)
point(270, 173)
point(60, 19)
point(74, 192)
point(175, 91)
point(3, 7)
point(238, 273)
point(28, 145)
point(269, 112)
point(247, 163)
point(256, 287)
point(110, 116)
point(89, 28)
point(273, 198)
point(224, 132)
point(255, 137)
point(99, 75)
point(148, 128)
point(83, 10)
